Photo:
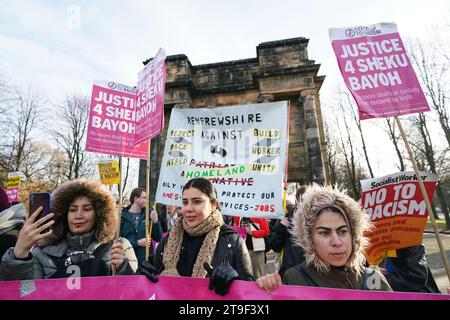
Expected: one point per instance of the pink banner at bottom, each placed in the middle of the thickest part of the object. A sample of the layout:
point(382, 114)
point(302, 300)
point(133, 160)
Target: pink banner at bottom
point(180, 288)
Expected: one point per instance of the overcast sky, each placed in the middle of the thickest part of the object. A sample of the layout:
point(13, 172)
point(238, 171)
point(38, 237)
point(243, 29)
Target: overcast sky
point(60, 47)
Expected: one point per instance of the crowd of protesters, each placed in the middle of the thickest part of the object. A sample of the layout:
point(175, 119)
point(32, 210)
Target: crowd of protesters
point(320, 241)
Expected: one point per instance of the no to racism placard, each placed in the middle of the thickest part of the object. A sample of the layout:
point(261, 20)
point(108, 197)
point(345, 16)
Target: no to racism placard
point(397, 210)
point(240, 149)
point(373, 61)
point(111, 127)
point(109, 172)
point(150, 98)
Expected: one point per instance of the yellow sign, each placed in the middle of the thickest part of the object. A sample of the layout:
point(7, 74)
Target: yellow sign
point(12, 182)
point(109, 172)
point(177, 162)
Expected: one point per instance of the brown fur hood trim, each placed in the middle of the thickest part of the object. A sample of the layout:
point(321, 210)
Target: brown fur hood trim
point(104, 205)
point(315, 198)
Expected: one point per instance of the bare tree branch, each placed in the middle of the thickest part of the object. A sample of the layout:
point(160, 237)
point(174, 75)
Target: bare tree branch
point(434, 75)
point(390, 129)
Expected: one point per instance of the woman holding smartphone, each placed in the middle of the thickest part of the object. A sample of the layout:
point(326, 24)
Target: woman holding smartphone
point(78, 237)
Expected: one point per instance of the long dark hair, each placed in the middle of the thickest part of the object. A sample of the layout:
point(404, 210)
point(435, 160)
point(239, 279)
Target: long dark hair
point(205, 186)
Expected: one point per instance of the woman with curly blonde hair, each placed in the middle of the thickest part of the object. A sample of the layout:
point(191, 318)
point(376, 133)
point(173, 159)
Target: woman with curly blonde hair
point(79, 239)
point(330, 227)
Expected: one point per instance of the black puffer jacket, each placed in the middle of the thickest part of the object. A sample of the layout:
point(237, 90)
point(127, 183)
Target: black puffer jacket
point(230, 250)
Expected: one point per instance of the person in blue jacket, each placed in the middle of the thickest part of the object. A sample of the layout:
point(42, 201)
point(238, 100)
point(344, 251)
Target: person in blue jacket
point(132, 224)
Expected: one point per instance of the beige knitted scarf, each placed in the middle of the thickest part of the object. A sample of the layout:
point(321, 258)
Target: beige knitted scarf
point(210, 227)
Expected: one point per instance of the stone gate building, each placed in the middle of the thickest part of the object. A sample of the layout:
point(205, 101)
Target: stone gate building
point(280, 71)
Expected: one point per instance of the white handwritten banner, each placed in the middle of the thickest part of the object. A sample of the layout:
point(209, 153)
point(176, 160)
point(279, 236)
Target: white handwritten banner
point(373, 61)
point(241, 149)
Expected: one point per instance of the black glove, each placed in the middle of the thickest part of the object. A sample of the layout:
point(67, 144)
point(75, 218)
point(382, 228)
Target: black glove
point(149, 270)
point(220, 277)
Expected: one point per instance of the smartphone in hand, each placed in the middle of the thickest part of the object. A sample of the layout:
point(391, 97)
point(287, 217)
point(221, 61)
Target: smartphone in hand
point(40, 199)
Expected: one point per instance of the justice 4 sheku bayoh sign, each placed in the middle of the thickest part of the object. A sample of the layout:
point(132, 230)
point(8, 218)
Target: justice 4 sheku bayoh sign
point(241, 149)
point(377, 71)
point(397, 210)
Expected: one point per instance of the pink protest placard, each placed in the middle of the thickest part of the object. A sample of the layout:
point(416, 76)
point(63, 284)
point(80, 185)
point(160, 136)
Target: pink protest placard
point(181, 288)
point(111, 127)
point(150, 98)
point(376, 69)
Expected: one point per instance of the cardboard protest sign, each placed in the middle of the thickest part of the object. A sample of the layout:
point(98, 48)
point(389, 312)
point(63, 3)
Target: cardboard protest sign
point(373, 61)
point(111, 127)
point(240, 149)
point(109, 172)
point(12, 185)
point(150, 98)
point(397, 209)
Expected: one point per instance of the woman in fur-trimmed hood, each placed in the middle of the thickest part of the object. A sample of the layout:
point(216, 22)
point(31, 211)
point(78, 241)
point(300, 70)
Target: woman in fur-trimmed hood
point(330, 227)
point(79, 232)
